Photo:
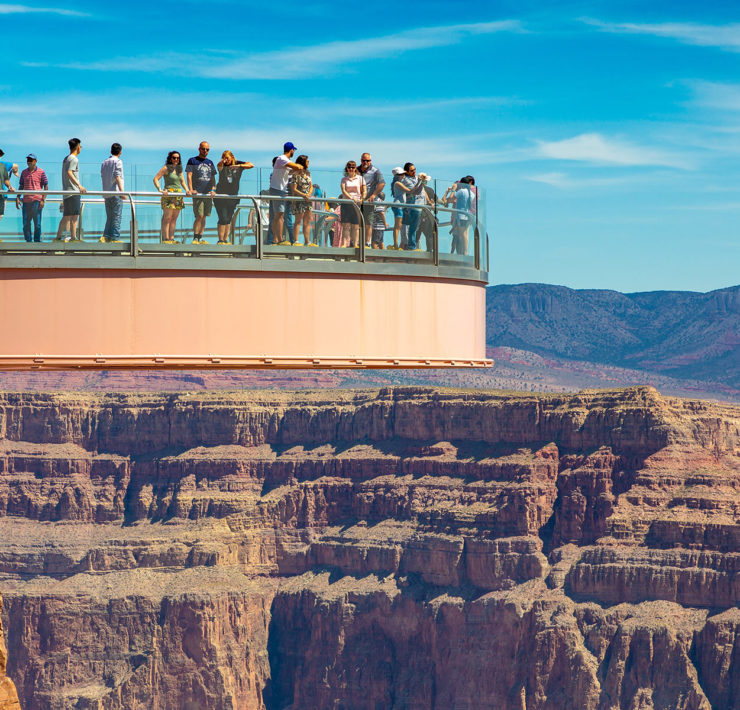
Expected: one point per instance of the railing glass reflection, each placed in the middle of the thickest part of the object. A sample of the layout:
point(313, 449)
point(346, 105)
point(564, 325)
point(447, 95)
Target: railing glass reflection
point(450, 224)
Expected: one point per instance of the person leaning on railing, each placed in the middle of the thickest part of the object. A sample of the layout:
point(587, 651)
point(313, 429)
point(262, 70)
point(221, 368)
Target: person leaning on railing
point(229, 174)
point(172, 200)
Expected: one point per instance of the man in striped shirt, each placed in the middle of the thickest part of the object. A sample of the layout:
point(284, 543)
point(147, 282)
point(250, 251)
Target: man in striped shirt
point(32, 178)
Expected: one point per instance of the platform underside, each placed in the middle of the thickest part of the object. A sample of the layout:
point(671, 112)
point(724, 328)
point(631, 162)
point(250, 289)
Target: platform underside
point(107, 319)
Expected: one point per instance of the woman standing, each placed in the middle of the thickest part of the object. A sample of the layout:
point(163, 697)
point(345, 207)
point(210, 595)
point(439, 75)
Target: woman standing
point(353, 188)
point(172, 194)
point(229, 175)
point(398, 196)
point(301, 185)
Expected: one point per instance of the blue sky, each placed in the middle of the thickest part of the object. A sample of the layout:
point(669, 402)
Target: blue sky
point(606, 134)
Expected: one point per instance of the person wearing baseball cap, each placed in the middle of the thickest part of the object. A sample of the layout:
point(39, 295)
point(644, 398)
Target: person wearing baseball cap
point(281, 169)
point(32, 178)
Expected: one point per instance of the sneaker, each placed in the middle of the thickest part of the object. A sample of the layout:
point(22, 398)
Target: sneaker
point(284, 243)
point(170, 241)
point(199, 241)
point(103, 240)
point(312, 244)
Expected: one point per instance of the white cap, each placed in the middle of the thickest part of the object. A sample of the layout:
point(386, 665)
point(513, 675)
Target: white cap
point(397, 171)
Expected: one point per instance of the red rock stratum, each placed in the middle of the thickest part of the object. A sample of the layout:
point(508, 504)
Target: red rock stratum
point(400, 548)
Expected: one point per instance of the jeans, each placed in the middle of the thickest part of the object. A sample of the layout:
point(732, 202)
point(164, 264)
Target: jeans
point(113, 210)
point(32, 212)
point(411, 220)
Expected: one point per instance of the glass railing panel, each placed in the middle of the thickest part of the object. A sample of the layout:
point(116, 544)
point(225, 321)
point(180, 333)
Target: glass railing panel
point(440, 224)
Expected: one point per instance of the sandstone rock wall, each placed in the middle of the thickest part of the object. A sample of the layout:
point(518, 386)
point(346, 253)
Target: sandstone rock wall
point(401, 548)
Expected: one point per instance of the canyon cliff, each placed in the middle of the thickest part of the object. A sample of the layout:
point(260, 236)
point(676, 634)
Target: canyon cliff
point(406, 548)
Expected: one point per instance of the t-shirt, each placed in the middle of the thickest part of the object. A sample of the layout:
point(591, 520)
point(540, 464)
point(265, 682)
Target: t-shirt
point(280, 173)
point(372, 177)
point(416, 196)
point(109, 171)
point(9, 167)
point(70, 164)
point(203, 171)
point(228, 180)
point(4, 175)
point(33, 181)
point(353, 187)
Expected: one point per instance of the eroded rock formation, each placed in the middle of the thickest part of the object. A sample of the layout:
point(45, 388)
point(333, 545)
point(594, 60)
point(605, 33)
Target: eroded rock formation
point(401, 548)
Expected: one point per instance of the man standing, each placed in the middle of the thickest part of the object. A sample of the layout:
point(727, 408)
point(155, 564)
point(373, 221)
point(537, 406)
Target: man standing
point(279, 178)
point(32, 178)
point(111, 175)
point(71, 182)
point(201, 174)
point(12, 168)
point(374, 184)
point(5, 171)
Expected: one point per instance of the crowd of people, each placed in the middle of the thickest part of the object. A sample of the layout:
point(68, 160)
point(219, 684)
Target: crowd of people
point(293, 199)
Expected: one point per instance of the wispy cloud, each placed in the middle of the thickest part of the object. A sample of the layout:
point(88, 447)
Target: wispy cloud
point(716, 95)
point(563, 181)
point(28, 9)
point(300, 62)
point(726, 37)
point(601, 150)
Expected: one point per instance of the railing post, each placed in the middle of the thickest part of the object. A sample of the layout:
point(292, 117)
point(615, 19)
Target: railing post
point(358, 207)
point(258, 232)
point(134, 227)
point(79, 232)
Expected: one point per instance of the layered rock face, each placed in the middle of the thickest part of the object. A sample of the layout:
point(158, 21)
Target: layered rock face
point(398, 548)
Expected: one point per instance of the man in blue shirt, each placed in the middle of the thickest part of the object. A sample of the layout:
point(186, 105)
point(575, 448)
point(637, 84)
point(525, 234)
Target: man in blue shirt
point(201, 173)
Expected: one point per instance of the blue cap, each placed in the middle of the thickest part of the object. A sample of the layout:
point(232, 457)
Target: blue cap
point(31, 156)
point(288, 146)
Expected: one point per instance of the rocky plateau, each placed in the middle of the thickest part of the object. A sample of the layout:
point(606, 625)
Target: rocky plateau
point(410, 548)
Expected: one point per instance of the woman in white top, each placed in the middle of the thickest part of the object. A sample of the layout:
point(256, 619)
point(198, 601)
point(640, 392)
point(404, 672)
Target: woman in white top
point(353, 188)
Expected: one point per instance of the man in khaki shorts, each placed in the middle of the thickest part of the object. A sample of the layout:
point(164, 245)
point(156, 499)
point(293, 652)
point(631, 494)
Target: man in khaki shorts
point(201, 174)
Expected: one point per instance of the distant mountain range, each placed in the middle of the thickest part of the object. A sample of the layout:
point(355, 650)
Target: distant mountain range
point(679, 334)
point(542, 338)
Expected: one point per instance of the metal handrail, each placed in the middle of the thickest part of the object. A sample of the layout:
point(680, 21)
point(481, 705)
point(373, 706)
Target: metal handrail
point(257, 201)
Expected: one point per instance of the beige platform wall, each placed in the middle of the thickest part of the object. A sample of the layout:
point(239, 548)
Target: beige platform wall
point(110, 318)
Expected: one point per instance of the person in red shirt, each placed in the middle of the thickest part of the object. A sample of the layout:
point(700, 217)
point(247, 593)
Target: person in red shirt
point(32, 178)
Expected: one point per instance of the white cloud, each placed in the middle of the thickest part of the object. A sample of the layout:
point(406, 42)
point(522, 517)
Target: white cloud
point(716, 95)
point(598, 149)
point(27, 9)
point(726, 37)
point(563, 181)
point(300, 62)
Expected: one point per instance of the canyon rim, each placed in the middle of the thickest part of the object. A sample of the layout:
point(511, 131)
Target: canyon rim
point(393, 548)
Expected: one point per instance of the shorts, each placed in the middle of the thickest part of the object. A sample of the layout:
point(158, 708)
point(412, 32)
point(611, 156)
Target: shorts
point(350, 215)
point(72, 206)
point(277, 206)
point(368, 208)
point(202, 206)
point(397, 212)
point(2, 205)
point(225, 209)
point(174, 202)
